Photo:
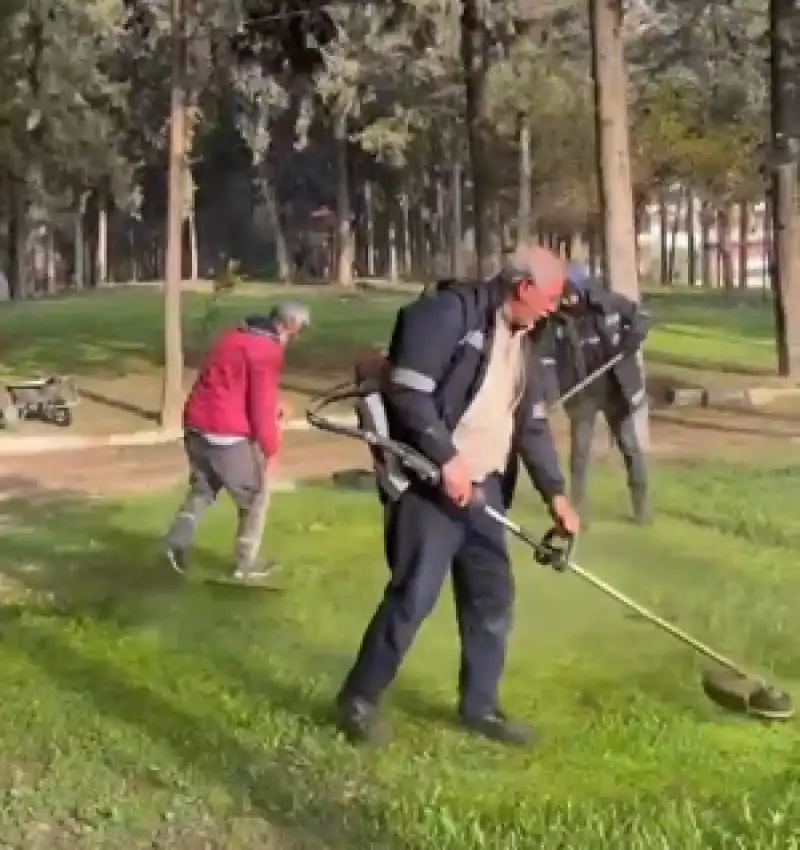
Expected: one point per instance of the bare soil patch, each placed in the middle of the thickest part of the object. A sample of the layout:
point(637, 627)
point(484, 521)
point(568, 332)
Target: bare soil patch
point(112, 471)
point(676, 436)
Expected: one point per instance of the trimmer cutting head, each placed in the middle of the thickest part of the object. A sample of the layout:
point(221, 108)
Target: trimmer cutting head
point(747, 696)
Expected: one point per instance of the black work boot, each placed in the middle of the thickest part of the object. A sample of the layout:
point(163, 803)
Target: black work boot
point(640, 504)
point(495, 726)
point(360, 721)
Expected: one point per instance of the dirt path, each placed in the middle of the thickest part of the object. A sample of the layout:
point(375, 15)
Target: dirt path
point(675, 435)
point(130, 470)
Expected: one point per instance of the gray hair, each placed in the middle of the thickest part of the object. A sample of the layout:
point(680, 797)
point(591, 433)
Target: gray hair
point(291, 313)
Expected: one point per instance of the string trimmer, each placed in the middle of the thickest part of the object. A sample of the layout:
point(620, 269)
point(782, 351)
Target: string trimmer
point(741, 690)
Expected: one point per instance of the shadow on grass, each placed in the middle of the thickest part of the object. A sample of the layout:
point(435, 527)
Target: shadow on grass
point(115, 577)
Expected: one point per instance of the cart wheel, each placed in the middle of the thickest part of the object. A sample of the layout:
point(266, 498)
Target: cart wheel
point(62, 416)
point(9, 417)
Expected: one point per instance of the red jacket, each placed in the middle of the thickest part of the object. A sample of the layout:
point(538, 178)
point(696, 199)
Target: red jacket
point(236, 390)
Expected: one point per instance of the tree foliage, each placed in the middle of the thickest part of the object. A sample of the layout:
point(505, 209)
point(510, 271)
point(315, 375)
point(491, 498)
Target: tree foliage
point(289, 100)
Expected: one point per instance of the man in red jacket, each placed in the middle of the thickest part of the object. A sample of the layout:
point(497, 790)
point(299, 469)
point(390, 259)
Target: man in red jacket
point(232, 431)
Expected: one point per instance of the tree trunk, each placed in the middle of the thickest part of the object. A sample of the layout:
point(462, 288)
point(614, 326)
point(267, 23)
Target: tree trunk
point(473, 49)
point(706, 216)
point(394, 264)
point(724, 248)
point(767, 246)
point(744, 244)
point(640, 203)
point(524, 189)
point(172, 388)
point(673, 240)
point(405, 211)
point(457, 221)
point(428, 216)
point(613, 161)
point(369, 215)
point(441, 251)
point(133, 248)
point(663, 240)
point(19, 282)
point(691, 242)
point(785, 102)
point(79, 240)
point(786, 269)
point(50, 262)
point(595, 249)
point(345, 249)
point(101, 254)
point(414, 235)
point(194, 259)
point(273, 206)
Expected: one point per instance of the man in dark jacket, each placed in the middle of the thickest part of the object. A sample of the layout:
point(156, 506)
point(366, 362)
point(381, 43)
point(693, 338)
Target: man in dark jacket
point(464, 390)
point(232, 432)
point(592, 327)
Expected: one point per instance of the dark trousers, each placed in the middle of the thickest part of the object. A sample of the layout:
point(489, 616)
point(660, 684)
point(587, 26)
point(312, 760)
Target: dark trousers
point(621, 425)
point(239, 469)
point(426, 538)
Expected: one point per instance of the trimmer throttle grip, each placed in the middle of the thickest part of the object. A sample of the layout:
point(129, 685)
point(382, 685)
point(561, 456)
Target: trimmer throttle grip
point(555, 549)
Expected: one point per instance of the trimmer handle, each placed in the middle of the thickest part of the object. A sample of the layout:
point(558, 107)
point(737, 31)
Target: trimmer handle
point(555, 549)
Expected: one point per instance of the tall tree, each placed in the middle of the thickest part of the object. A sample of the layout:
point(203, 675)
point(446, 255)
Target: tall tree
point(59, 124)
point(784, 31)
point(613, 158)
point(172, 389)
point(260, 99)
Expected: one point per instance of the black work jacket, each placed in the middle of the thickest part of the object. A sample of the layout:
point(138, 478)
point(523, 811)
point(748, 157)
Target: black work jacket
point(615, 321)
point(438, 356)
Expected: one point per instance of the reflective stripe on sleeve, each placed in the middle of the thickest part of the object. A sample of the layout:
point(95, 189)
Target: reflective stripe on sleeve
point(412, 380)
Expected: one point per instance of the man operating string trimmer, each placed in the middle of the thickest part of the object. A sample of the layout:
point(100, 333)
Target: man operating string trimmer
point(465, 388)
point(459, 401)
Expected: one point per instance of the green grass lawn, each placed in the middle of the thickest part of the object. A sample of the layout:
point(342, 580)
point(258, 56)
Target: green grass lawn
point(702, 329)
point(138, 711)
point(115, 332)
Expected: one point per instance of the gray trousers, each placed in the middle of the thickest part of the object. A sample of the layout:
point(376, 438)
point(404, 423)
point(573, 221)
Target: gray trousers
point(239, 469)
point(621, 425)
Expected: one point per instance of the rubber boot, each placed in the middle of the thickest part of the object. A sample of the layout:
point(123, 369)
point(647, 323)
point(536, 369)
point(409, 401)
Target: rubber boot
point(640, 504)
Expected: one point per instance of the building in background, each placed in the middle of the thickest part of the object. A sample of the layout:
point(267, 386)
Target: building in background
point(735, 242)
